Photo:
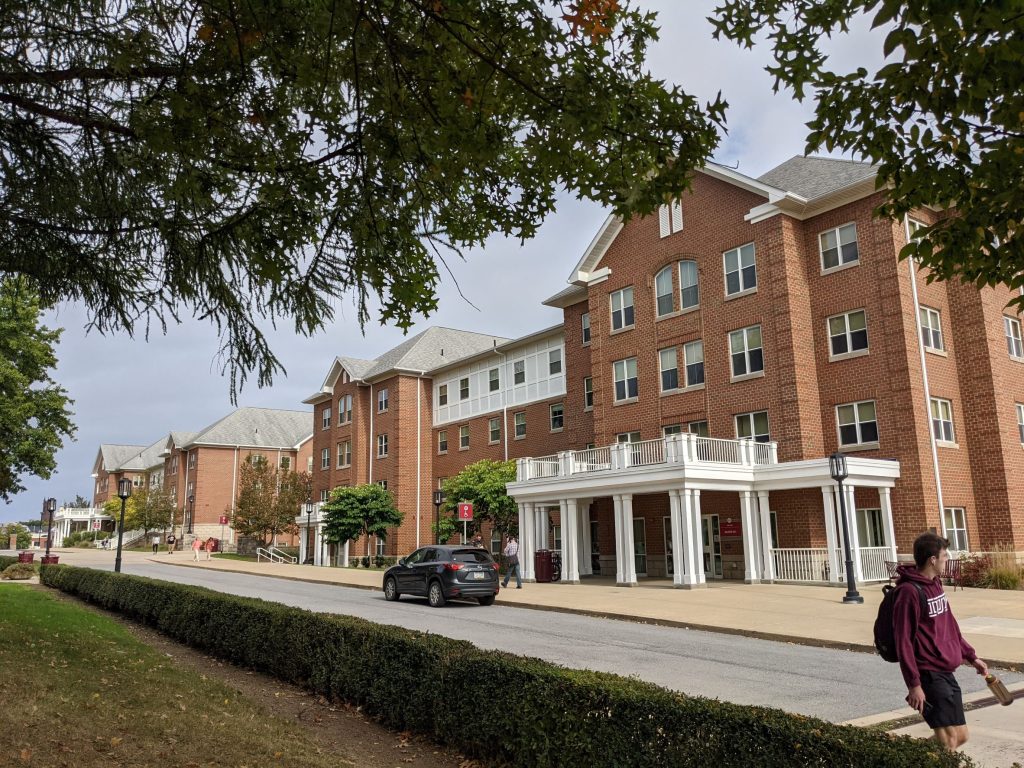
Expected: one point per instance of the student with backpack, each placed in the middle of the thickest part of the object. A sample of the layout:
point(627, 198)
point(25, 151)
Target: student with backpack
point(927, 642)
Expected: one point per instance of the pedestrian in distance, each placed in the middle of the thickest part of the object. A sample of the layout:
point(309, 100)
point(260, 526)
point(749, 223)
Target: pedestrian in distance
point(208, 547)
point(171, 541)
point(511, 553)
point(156, 544)
point(929, 643)
point(197, 547)
point(477, 541)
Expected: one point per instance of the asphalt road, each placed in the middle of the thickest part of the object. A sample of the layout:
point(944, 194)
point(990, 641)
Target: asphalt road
point(831, 684)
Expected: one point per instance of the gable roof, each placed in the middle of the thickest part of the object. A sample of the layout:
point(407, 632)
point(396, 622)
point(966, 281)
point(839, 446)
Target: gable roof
point(148, 457)
point(257, 428)
point(434, 347)
point(113, 456)
point(812, 177)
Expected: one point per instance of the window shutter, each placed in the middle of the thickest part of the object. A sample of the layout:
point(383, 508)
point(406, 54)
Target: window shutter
point(663, 221)
point(677, 216)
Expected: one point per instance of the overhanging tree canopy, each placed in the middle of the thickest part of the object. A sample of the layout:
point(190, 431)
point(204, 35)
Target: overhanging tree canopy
point(239, 161)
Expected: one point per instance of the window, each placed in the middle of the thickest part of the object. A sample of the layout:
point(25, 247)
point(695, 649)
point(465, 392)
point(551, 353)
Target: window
point(670, 218)
point(869, 528)
point(383, 484)
point(698, 428)
point(931, 328)
point(693, 357)
point(257, 459)
point(325, 458)
point(324, 495)
point(753, 426)
point(345, 454)
point(942, 420)
point(663, 292)
point(519, 372)
point(955, 525)
point(557, 417)
point(745, 346)
point(493, 430)
point(838, 246)
point(309, 464)
point(669, 371)
point(464, 388)
point(464, 437)
point(520, 421)
point(672, 429)
point(588, 393)
point(689, 292)
point(624, 374)
point(847, 333)
point(382, 446)
point(380, 542)
point(1013, 340)
point(627, 437)
point(554, 361)
point(495, 542)
point(325, 419)
point(493, 380)
point(285, 462)
point(192, 459)
point(586, 328)
point(382, 400)
point(442, 441)
point(442, 395)
point(1020, 421)
point(345, 409)
point(858, 423)
point(622, 309)
point(740, 270)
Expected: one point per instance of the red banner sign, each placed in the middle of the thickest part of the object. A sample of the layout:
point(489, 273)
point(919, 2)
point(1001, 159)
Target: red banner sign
point(730, 528)
point(465, 510)
point(223, 519)
point(95, 525)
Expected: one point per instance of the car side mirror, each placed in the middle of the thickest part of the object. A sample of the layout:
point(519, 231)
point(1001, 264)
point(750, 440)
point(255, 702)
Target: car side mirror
point(401, 561)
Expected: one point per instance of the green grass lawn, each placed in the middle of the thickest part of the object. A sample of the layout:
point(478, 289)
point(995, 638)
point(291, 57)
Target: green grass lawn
point(77, 689)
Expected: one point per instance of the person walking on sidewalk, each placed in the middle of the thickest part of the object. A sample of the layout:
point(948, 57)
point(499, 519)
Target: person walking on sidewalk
point(929, 642)
point(171, 541)
point(156, 543)
point(511, 553)
point(197, 546)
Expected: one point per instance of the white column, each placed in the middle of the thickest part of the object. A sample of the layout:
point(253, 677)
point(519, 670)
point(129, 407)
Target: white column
point(317, 545)
point(682, 554)
point(851, 510)
point(527, 534)
point(620, 573)
point(628, 544)
point(768, 563)
point(885, 504)
point(693, 530)
point(832, 542)
point(749, 537)
point(344, 555)
point(541, 526)
point(569, 512)
point(303, 538)
point(586, 567)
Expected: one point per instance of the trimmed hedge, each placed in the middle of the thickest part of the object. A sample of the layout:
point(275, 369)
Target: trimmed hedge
point(504, 709)
point(6, 560)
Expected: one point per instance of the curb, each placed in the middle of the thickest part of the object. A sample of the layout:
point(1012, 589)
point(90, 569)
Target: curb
point(812, 642)
point(972, 701)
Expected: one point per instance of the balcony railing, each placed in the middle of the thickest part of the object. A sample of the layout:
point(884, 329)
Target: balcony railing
point(671, 449)
point(811, 564)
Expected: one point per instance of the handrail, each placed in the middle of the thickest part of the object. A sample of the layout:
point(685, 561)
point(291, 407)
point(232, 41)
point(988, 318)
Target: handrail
point(271, 556)
point(285, 557)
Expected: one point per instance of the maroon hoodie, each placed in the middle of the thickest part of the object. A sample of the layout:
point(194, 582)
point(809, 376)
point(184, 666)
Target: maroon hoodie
point(929, 639)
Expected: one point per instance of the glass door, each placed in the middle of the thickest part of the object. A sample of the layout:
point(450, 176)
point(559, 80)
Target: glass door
point(669, 564)
point(712, 543)
point(595, 549)
point(639, 546)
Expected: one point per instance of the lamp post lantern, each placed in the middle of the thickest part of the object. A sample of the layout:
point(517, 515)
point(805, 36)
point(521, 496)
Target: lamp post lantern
point(191, 510)
point(50, 505)
point(439, 497)
point(837, 468)
point(309, 527)
point(124, 490)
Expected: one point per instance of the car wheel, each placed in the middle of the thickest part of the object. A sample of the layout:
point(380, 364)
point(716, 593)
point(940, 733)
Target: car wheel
point(390, 589)
point(435, 595)
point(489, 600)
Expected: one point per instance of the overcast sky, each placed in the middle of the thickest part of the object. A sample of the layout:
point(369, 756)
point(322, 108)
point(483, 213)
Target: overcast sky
point(133, 391)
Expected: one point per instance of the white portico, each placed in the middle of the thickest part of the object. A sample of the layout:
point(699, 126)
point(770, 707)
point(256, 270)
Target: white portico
point(683, 467)
point(313, 542)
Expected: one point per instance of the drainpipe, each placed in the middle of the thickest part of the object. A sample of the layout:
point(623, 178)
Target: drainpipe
point(504, 399)
point(419, 446)
point(234, 496)
point(924, 377)
point(371, 441)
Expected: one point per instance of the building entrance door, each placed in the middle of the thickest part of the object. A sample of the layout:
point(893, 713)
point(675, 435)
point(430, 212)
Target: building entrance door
point(639, 546)
point(595, 549)
point(712, 542)
point(669, 564)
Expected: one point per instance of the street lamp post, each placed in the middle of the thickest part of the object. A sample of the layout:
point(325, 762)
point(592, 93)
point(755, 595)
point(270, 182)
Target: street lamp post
point(50, 506)
point(439, 497)
point(191, 510)
point(124, 490)
point(837, 468)
point(309, 527)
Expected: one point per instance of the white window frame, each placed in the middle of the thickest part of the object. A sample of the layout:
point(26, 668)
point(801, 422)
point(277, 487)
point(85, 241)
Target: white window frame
point(669, 367)
point(670, 218)
point(554, 361)
point(627, 437)
point(690, 427)
point(870, 529)
point(662, 293)
point(1020, 421)
point(683, 288)
point(690, 350)
point(841, 252)
point(739, 252)
point(382, 445)
point(519, 422)
point(847, 335)
point(931, 326)
point(442, 394)
point(325, 495)
point(463, 437)
point(1014, 345)
point(325, 418)
point(344, 454)
point(671, 429)
point(940, 411)
point(442, 441)
point(585, 328)
point(624, 367)
point(519, 372)
point(493, 380)
point(464, 390)
point(325, 458)
point(620, 314)
point(588, 393)
point(382, 399)
point(749, 418)
point(957, 533)
point(743, 334)
point(556, 411)
point(859, 422)
point(493, 425)
point(345, 409)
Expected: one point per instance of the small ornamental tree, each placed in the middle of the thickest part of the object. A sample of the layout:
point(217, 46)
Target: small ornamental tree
point(150, 509)
point(483, 484)
point(365, 510)
point(268, 499)
point(112, 507)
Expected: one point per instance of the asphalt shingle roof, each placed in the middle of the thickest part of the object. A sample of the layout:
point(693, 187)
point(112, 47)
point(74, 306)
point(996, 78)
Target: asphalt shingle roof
point(433, 348)
point(812, 177)
point(259, 428)
point(147, 457)
point(116, 455)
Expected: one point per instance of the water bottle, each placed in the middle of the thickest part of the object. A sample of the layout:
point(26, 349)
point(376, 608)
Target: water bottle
point(999, 690)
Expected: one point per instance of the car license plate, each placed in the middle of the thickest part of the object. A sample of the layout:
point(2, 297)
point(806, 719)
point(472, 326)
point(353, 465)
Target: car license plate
point(479, 576)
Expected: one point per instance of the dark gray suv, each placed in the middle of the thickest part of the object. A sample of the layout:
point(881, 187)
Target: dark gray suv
point(443, 572)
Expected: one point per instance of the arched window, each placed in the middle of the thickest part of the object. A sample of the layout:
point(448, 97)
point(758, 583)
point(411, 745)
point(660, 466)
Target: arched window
point(689, 291)
point(663, 291)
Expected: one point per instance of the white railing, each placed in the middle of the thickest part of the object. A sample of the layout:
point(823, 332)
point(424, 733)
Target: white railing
point(592, 460)
point(274, 555)
point(802, 564)
point(645, 453)
point(545, 466)
point(717, 449)
point(872, 562)
point(763, 453)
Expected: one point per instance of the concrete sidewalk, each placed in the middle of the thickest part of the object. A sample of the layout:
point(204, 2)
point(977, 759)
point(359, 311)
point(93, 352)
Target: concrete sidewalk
point(992, 620)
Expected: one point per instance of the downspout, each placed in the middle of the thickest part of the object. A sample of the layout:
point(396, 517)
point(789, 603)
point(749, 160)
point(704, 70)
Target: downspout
point(234, 497)
point(369, 477)
point(419, 446)
point(927, 391)
point(184, 498)
point(504, 400)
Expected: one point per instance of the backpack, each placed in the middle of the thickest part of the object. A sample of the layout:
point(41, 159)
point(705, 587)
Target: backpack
point(885, 637)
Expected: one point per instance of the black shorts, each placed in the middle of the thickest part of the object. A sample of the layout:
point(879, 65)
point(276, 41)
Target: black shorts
point(943, 702)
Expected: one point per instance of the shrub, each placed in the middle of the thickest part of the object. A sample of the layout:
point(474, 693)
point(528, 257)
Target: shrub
point(6, 560)
point(564, 717)
point(354, 562)
point(1003, 578)
point(18, 571)
point(973, 570)
point(366, 561)
point(378, 561)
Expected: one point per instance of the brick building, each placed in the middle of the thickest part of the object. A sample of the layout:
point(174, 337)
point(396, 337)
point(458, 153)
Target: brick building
point(710, 359)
